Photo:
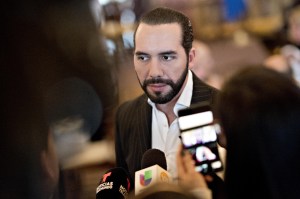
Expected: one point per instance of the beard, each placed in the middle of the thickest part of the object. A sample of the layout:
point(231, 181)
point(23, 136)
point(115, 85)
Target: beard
point(162, 98)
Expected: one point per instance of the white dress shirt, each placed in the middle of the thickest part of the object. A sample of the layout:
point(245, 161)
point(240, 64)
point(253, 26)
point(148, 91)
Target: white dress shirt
point(165, 137)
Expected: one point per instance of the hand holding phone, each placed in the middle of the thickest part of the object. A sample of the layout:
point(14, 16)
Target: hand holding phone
point(199, 136)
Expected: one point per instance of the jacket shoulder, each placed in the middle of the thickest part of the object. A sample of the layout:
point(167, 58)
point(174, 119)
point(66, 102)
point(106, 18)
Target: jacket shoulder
point(130, 110)
point(134, 104)
point(203, 92)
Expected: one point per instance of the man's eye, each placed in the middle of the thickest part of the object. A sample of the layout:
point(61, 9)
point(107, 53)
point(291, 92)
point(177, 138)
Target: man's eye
point(142, 57)
point(168, 57)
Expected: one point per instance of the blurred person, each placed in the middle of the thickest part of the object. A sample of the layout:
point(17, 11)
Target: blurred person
point(205, 64)
point(292, 54)
point(279, 63)
point(71, 29)
point(62, 41)
point(268, 104)
point(293, 29)
point(259, 109)
point(74, 112)
point(141, 7)
point(73, 56)
point(289, 52)
point(163, 56)
point(29, 166)
point(43, 43)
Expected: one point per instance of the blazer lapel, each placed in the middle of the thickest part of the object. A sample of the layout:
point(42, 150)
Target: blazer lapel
point(145, 127)
point(202, 91)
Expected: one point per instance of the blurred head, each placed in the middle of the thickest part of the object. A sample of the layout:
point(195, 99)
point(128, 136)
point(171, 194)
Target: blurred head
point(203, 60)
point(294, 25)
point(163, 53)
point(259, 111)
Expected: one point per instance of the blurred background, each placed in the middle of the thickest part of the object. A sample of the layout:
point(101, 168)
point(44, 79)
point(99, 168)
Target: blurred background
point(95, 74)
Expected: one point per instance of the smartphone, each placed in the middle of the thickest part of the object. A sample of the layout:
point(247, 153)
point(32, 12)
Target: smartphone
point(198, 132)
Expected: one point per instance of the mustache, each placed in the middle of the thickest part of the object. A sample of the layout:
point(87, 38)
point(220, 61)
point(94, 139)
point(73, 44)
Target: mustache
point(157, 80)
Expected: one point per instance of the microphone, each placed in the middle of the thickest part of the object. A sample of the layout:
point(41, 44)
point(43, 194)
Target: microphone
point(154, 170)
point(114, 183)
point(150, 154)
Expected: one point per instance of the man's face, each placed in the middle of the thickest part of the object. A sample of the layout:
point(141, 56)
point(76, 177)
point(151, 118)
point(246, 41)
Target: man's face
point(160, 61)
point(294, 28)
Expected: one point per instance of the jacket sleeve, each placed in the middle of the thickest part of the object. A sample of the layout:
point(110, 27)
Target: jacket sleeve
point(120, 158)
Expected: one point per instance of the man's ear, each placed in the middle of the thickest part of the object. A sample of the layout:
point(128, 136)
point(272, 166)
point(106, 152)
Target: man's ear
point(192, 55)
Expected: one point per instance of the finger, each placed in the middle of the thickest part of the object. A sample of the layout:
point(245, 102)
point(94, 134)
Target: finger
point(208, 178)
point(189, 163)
point(180, 162)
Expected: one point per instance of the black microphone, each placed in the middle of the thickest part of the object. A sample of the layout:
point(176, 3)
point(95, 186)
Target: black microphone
point(114, 183)
point(154, 170)
point(152, 157)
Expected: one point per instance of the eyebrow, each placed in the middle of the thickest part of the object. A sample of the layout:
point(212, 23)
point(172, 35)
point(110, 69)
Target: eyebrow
point(140, 53)
point(168, 52)
point(162, 53)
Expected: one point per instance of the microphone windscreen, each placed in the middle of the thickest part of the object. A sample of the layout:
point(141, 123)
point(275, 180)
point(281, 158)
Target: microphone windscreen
point(115, 183)
point(152, 157)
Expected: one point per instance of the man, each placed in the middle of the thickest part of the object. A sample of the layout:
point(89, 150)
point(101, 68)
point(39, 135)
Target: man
point(163, 56)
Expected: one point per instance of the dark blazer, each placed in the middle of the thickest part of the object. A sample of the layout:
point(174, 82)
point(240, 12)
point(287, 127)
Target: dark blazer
point(133, 126)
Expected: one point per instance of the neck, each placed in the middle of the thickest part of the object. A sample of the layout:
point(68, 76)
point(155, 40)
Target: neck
point(167, 109)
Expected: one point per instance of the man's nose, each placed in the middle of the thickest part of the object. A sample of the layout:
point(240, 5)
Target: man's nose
point(155, 69)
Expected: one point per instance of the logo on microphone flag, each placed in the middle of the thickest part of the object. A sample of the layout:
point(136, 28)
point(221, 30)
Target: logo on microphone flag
point(146, 178)
point(164, 177)
point(149, 176)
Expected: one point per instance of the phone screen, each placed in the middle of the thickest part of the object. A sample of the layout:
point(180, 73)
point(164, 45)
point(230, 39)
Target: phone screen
point(199, 136)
